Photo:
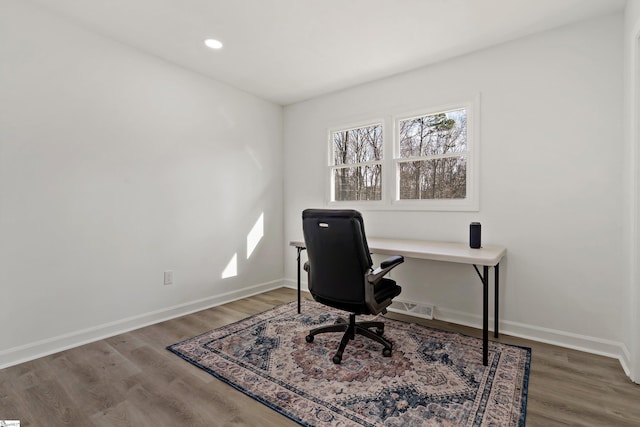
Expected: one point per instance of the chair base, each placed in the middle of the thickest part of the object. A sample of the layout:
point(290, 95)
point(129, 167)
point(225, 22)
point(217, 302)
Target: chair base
point(350, 330)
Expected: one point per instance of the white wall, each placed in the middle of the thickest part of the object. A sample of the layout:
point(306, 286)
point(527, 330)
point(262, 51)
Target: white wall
point(551, 181)
point(116, 166)
point(632, 178)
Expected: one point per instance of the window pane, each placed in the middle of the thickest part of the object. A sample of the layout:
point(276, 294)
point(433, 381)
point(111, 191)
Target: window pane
point(357, 145)
point(434, 135)
point(444, 178)
point(358, 183)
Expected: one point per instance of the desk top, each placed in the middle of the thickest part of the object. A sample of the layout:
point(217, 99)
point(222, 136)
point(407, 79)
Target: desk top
point(489, 255)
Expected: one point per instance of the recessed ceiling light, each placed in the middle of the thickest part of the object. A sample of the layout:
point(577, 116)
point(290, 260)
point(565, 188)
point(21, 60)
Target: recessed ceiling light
point(213, 43)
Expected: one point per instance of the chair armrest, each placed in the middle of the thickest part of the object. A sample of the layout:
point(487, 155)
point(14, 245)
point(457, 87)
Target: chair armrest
point(385, 266)
point(392, 261)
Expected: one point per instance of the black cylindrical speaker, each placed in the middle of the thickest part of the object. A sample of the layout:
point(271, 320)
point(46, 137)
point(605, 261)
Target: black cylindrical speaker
point(475, 232)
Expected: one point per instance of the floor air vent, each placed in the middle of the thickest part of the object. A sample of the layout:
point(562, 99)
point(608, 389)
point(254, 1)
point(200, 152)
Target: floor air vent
point(412, 309)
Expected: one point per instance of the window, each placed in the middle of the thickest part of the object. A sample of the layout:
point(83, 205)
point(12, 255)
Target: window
point(432, 160)
point(433, 166)
point(356, 163)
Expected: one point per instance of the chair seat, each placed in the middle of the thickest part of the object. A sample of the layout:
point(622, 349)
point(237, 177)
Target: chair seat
point(386, 289)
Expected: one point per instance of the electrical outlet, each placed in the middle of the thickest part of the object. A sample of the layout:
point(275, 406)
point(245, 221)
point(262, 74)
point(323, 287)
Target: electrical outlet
point(168, 278)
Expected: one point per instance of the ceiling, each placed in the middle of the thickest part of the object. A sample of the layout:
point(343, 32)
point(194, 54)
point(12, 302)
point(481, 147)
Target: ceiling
point(287, 51)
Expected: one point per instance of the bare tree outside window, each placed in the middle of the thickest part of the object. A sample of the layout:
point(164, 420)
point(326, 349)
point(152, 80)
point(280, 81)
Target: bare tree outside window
point(431, 161)
point(357, 163)
point(433, 156)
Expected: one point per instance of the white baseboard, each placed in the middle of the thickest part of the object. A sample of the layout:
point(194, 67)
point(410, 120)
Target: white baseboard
point(594, 345)
point(25, 353)
point(292, 284)
point(589, 344)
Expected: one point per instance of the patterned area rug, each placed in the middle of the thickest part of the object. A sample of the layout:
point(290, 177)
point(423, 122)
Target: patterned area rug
point(433, 377)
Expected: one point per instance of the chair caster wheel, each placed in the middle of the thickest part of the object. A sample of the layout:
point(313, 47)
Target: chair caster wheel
point(386, 352)
point(337, 359)
point(309, 338)
point(379, 331)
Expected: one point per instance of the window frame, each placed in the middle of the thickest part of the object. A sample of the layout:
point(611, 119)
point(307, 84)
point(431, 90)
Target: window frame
point(390, 179)
point(362, 204)
point(471, 201)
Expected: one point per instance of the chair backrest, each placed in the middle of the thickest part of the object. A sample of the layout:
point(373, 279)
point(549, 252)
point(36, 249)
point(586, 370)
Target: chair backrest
point(338, 256)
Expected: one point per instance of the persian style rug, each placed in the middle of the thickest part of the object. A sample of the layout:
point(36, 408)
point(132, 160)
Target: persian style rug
point(432, 378)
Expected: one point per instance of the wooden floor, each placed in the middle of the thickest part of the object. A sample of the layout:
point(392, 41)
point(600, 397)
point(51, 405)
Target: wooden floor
point(131, 380)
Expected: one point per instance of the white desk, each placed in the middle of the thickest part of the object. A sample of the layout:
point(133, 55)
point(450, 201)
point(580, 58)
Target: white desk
point(487, 256)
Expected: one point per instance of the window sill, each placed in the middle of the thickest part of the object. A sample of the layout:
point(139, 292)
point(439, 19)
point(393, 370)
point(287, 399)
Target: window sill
point(408, 205)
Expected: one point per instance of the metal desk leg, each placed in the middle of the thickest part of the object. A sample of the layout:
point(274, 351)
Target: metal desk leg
point(496, 272)
point(485, 316)
point(299, 250)
point(484, 277)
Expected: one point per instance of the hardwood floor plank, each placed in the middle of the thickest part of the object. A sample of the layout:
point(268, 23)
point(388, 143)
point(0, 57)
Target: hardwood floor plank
point(132, 380)
point(10, 409)
point(85, 384)
point(48, 403)
point(125, 414)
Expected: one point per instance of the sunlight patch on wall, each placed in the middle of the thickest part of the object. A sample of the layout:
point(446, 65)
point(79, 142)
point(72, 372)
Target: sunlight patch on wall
point(255, 235)
point(231, 270)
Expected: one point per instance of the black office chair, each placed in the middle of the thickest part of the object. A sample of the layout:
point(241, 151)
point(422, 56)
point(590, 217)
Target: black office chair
point(340, 274)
